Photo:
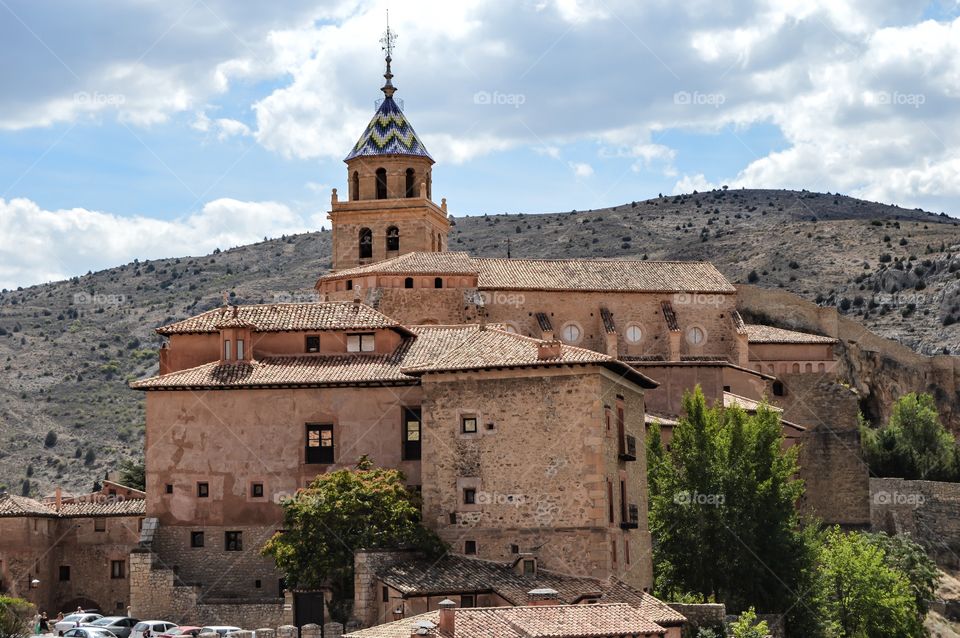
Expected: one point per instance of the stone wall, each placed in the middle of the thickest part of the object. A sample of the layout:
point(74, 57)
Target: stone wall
point(708, 615)
point(927, 510)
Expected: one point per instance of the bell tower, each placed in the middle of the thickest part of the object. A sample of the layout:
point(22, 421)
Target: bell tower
point(389, 210)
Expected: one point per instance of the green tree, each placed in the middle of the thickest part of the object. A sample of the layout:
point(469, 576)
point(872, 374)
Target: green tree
point(339, 513)
point(914, 444)
point(133, 474)
point(727, 487)
point(865, 597)
point(909, 558)
point(15, 617)
point(747, 626)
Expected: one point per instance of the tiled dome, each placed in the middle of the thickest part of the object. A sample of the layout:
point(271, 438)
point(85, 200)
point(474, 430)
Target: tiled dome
point(389, 133)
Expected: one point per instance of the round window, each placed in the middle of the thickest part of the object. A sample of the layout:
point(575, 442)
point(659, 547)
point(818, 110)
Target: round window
point(509, 327)
point(571, 333)
point(634, 334)
point(696, 336)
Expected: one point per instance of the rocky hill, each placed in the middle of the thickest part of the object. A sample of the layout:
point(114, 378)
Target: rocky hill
point(68, 349)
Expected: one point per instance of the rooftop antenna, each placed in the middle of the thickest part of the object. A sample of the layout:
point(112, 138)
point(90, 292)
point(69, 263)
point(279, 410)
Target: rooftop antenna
point(387, 41)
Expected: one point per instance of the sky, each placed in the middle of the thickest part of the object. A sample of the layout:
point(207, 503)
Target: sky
point(159, 128)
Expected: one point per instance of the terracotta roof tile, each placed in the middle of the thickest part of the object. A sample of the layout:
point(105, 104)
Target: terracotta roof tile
point(757, 333)
point(286, 317)
point(738, 324)
point(558, 274)
point(11, 505)
point(670, 316)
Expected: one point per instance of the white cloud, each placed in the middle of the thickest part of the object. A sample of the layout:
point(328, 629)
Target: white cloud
point(32, 246)
point(690, 183)
point(581, 169)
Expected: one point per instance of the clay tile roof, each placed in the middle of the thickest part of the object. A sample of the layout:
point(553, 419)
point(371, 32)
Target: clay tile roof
point(105, 507)
point(608, 324)
point(650, 606)
point(738, 324)
point(285, 371)
point(11, 505)
point(388, 133)
point(544, 322)
point(341, 315)
point(670, 316)
point(768, 334)
point(558, 274)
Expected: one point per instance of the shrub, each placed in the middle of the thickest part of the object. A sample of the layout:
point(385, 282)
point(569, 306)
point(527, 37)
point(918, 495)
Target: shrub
point(753, 277)
point(50, 440)
point(15, 615)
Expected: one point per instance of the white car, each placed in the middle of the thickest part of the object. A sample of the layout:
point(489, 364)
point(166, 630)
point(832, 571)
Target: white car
point(74, 620)
point(223, 630)
point(88, 632)
point(156, 628)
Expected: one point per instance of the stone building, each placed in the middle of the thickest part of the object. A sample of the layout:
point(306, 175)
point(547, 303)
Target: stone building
point(514, 395)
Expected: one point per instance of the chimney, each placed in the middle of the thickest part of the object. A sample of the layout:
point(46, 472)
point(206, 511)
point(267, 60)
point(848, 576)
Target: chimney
point(547, 350)
point(447, 619)
point(58, 498)
point(422, 628)
point(544, 596)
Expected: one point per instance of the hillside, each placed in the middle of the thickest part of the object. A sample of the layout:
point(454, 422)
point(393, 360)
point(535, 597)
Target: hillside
point(67, 349)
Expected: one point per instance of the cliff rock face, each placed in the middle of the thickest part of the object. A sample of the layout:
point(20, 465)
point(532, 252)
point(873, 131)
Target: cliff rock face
point(879, 369)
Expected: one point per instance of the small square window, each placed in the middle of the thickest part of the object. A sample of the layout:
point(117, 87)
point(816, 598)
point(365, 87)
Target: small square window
point(256, 584)
point(196, 539)
point(313, 344)
point(529, 568)
point(99, 524)
point(118, 569)
point(468, 424)
point(360, 343)
point(469, 496)
point(467, 601)
point(233, 541)
point(514, 549)
point(64, 573)
point(470, 548)
point(169, 488)
point(203, 490)
point(256, 490)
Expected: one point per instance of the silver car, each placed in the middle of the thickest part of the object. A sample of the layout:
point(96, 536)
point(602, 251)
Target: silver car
point(119, 626)
point(88, 632)
point(74, 620)
point(155, 627)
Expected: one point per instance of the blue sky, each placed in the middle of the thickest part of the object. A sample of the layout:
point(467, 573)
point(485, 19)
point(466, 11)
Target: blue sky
point(156, 128)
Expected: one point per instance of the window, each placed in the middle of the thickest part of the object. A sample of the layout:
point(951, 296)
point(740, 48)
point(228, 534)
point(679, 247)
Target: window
point(349, 284)
point(467, 601)
point(196, 539)
point(438, 282)
point(529, 567)
point(99, 524)
point(411, 434)
point(227, 350)
point(610, 500)
point(233, 541)
point(239, 349)
point(118, 569)
point(64, 573)
point(411, 183)
point(319, 443)
point(634, 334)
point(468, 424)
point(778, 389)
point(256, 490)
point(613, 551)
point(385, 594)
point(203, 490)
point(355, 186)
point(169, 488)
point(366, 243)
point(696, 336)
point(361, 343)
point(381, 183)
point(257, 584)
point(470, 548)
point(393, 239)
point(571, 333)
point(514, 549)
point(626, 551)
point(408, 282)
point(313, 343)
point(469, 496)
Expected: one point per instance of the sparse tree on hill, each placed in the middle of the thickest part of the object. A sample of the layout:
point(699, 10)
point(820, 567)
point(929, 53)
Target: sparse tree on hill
point(133, 474)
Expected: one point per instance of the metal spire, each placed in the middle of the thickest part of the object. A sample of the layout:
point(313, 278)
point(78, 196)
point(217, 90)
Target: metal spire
point(387, 42)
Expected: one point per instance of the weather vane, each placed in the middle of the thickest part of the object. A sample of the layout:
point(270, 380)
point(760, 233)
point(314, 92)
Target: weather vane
point(388, 40)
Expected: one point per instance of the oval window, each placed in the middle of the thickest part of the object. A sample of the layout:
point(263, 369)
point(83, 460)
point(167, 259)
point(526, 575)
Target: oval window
point(571, 333)
point(696, 336)
point(634, 334)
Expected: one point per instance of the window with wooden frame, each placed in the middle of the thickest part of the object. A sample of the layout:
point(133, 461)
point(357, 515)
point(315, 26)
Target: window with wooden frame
point(319, 448)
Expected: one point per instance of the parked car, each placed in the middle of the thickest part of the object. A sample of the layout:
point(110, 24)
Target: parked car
point(120, 626)
point(74, 620)
point(186, 631)
point(88, 632)
point(223, 630)
point(156, 628)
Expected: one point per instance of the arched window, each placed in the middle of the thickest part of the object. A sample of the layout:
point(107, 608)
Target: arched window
point(366, 243)
point(393, 238)
point(355, 186)
point(439, 243)
point(438, 282)
point(796, 367)
point(808, 367)
point(408, 282)
point(778, 389)
point(381, 183)
point(411, 183)
point(429, 187)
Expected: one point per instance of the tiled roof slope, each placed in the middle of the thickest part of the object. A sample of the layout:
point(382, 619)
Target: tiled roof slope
point(11, 505)
point(388, 133)
point(558, 274)
point(757, 333)
point(281, 317)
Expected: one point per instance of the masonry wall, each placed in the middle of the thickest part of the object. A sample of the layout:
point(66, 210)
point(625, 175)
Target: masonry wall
point(540, 472)
point(927, 510)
